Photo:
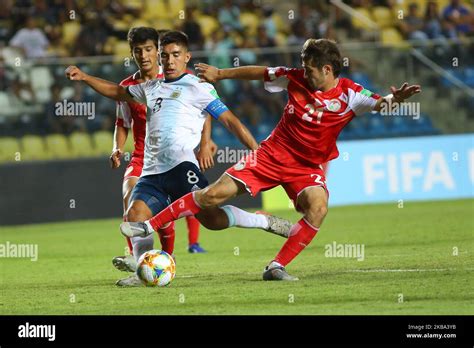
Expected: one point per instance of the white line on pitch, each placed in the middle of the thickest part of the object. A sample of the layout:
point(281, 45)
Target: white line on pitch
point(347, 271)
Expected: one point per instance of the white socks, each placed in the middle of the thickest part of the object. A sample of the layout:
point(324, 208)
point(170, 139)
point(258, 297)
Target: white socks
point(141, 245)
point(241, 218)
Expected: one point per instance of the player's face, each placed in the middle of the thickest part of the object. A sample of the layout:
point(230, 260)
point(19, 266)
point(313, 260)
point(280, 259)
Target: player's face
point(145, 55)
point(174, 59)
point(314, 76)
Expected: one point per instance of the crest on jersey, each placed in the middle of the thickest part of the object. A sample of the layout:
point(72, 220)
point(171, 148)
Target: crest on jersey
point(176, 93)
point(333, 105)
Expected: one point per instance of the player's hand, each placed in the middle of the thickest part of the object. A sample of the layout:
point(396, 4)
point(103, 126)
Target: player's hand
point(207, 73)
point(213, 147)
point(115, 158)
point(205, 157)
point(73, 73)
point(405, 91)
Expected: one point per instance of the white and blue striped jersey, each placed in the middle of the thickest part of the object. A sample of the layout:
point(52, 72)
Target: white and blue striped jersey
point(176, 112)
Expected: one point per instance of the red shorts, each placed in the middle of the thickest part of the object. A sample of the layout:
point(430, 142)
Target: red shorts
point(134, 168)
point(272, 165)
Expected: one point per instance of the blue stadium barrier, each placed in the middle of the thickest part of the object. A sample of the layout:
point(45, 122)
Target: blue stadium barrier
point(389, 170)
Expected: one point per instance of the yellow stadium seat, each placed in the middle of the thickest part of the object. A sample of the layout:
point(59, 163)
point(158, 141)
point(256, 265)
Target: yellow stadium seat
point(208, 24)
point(280, 23)
point(405, 4)
point(281, 39)
point(81, 145)
point(121, 49)
point(360, 23)
point(443, 3)
point(58, 146)
point(9, 149)
point(139, 23)
point(110, 45)
point(103, 141)
point(136, 4)
point(161, 23)
point(250, 22)
point(120, 25)
point(163, 9)
point(70, 31)
point(33, 148)
point(391, 37)
point(383, 17)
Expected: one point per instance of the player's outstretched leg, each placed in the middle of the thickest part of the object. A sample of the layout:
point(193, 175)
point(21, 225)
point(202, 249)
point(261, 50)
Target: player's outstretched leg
point(313, 202)
point(126, 263)
point(202, 201)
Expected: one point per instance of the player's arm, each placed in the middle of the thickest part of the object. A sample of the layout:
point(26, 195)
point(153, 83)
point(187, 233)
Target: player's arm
point(120, 137)
point(398, 95)
point(106, 88)
point(212, 74)
point(207, 148)
point(233, 124)
point(211, 103)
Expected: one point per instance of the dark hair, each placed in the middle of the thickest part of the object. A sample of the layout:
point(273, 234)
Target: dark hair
point(174, 36)
point(139, 35)
point(320, 52)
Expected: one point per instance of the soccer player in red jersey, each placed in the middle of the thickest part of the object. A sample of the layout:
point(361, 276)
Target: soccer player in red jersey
point(320, 104)
point(144, 48)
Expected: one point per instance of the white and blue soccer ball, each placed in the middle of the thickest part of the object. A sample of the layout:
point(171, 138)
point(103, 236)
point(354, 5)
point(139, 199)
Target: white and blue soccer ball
point(156, 268)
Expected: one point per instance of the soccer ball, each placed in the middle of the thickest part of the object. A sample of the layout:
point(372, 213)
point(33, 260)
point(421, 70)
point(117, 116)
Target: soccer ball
point(156, 268)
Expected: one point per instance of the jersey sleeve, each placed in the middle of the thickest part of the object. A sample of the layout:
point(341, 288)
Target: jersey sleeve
point(361, 100)
point(209, 100)
point(276, 79)
point(138, 92)
point(123, 115)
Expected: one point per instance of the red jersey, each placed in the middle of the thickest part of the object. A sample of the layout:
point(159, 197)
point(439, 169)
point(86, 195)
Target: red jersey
point(133, 115)
point(312, 120)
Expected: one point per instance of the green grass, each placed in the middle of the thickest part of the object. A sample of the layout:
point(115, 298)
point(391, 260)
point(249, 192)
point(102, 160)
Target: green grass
point(408, 251)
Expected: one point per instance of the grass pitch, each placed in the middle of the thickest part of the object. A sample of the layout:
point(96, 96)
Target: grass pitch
point(417, 260)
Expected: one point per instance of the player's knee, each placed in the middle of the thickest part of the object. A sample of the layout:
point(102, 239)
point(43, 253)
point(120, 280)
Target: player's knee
point(210, 196)
point(316, 213)
point(133, 214)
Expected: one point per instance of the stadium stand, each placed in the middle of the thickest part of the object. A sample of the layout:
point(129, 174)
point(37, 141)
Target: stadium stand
point(29, 96)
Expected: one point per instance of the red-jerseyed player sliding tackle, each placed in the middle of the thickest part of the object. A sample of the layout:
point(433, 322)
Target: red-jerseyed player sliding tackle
point(320, 104)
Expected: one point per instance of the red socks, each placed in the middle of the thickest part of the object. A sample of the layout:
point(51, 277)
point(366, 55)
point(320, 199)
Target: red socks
point(301, 234)
point(193, 229)
point(185, 206)
point(167, 236)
